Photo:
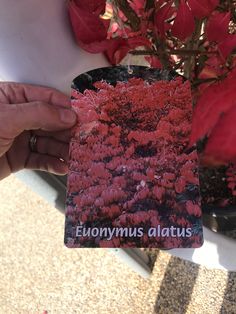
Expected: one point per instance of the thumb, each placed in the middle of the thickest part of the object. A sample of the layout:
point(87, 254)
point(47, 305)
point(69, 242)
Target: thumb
point(32, 116)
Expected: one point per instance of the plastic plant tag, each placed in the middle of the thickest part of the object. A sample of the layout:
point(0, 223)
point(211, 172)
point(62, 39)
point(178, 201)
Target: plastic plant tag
point(133, 179)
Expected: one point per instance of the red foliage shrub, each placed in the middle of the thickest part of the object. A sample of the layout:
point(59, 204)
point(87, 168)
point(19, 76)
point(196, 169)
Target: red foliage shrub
point(195, 37)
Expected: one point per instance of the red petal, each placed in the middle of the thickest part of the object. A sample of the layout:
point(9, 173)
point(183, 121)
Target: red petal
point(161, 2)
point(120, 47)
point(154, 62)
point(97, 46)
point(117, 51)
point(184, 24)
point(216, 99)
point(213, 68)
point(138, 42)
point(202, 8)
point(222, 142)
point(93, 6)
point(88, 27)
point(162, 15)
point(217, 26)
point(208, 72)
point(138, 5)
point(227, 46)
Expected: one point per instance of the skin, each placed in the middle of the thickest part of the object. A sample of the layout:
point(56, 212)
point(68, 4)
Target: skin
point(45, 112)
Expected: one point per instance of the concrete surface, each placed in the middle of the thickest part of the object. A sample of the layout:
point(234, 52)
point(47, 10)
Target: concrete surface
point(38, 273)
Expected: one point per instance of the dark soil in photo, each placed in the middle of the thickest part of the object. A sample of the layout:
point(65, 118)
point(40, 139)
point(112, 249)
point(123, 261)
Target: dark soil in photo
point(218, 203)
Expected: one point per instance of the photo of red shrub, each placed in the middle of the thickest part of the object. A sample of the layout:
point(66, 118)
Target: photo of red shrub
point(133, 179)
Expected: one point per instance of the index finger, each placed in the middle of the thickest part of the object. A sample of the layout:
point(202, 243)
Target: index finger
point(16, 93)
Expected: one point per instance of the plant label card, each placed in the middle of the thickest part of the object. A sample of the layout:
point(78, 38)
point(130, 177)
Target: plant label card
point(133, 179)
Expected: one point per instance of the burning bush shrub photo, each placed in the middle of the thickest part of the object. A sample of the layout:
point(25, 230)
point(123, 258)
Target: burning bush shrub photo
point(133, 179)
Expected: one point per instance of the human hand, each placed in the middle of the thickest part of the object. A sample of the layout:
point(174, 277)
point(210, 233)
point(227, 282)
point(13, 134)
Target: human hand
point(27, 110)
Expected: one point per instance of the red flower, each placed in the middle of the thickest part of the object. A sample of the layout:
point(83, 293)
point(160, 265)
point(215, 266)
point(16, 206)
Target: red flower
point(227, 46)
point(222, 141)
point(213, 68)
point(162, 15)
point(154, 62)
point(96, 7)
point(184, 24)
point(89, 29)
point(119, 48)
point(202, 8)
point(217, 27)
point(138, 6)
point(216, 100)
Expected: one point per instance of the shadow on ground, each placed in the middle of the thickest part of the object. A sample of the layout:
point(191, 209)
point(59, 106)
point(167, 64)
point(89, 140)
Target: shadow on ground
point(229, 301)
point(176, 288)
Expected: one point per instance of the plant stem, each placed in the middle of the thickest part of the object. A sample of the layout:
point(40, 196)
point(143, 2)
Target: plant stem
point(192, 45)
point(149, 4)
point(161, 52)
point(184, 52)
point(131, 15)
point(197, 82)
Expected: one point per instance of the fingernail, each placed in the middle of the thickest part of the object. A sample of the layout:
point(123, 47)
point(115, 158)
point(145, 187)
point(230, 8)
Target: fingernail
point(67, 116)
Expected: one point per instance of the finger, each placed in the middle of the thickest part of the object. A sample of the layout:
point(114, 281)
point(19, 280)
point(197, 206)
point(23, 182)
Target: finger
point(15, 119)
point(62, 136)
point(52, 147)
point(46, 163)
point(16, 93)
